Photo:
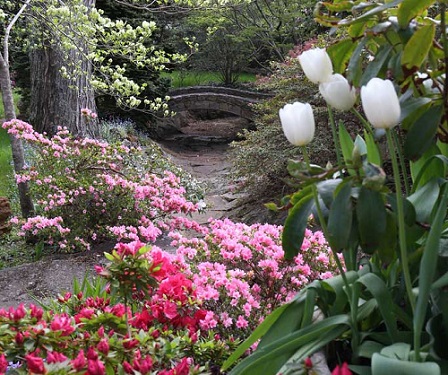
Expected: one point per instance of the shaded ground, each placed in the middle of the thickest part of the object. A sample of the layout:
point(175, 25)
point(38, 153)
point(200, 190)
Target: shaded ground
point(201, 149)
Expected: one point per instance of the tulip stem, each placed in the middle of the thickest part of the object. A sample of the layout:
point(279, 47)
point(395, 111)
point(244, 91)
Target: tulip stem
point(353, 300)
point(400, 217)
point(337, 146)
point(402, 164)
point(322, 222)
point(363, 121)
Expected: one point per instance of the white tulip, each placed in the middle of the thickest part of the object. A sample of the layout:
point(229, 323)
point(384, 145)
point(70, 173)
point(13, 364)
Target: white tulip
point(298, 123)
point(316, 65)
point(338, 93)
point(380, 103)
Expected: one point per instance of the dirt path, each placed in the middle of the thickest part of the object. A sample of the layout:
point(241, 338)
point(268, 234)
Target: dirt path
point(201, 149)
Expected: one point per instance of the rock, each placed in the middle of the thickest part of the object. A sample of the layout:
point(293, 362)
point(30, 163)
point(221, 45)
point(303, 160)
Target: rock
point(5, 213)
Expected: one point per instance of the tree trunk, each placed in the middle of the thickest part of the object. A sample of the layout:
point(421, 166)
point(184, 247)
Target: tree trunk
point(55, 100)
point(26, 204)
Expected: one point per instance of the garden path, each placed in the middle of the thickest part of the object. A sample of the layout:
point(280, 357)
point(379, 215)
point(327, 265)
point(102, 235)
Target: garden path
point(201, 149)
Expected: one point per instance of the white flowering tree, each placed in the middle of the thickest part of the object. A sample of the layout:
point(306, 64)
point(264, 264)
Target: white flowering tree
point(73, 47)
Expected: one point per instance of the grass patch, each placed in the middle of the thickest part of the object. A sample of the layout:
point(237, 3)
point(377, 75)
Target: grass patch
point(6, 170)
point(181, 78)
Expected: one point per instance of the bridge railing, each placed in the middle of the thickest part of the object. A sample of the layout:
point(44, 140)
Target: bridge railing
point(219, 90)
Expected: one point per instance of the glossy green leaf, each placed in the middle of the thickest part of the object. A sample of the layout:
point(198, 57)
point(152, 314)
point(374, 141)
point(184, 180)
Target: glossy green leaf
point(424, 200)
point(375, 66)
point(368, 348)
point(340, 54)
point(428, 264)
point(371, 215)
point(346, 142)
point(430, 165)
point(373, 152)
point(354, 68)
point(259, 332)
point(422, 133)
point(295, 225)
point(388, 243)
point(409, 9)
point(399, 350)
point(302, 193)
point(412, 108)
point(385, 303)
point(271, 358)
point(359, 152)
point(340, 218)
point(417, 48)
point(336, 285)
point(326, 190)
point(383, 365)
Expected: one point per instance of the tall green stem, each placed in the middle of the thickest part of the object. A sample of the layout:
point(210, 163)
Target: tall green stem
point(400, 217)
point(337, 146)
point(353, 300)
point(404, 171)
point(363, 121)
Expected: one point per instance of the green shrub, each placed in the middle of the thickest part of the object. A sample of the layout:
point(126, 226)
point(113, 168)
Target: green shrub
point(260, 156)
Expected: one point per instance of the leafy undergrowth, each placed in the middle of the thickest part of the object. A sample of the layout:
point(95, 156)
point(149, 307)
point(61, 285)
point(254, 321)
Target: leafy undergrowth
point(15, 251)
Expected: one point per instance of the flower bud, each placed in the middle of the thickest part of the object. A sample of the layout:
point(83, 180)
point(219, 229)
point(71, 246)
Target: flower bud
point(380, 103)
point(298, 123)
point(316, 65)
point(338, 93)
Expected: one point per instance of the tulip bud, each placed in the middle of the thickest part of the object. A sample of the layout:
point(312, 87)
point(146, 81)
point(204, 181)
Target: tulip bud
point(380, 103)
point(316, 65)
point(338, 93)
point(298, 123)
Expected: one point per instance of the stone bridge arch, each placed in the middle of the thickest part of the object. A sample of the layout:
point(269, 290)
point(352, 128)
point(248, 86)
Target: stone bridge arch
point(209, 98)
point(234, 101)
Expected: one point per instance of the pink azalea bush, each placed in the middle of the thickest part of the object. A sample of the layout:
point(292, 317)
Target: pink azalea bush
point(240, 273)
point(87, 190)
point(164, 313)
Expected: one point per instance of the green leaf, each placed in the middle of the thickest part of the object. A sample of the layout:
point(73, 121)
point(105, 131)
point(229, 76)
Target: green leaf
point(368, 348)
point(346, 142)
point(424, 200)
point(255, 336)
point(417, 48)
point(399, 350)
point(340, 218)
point(373, 152)
point(428, 264)
point(326, 190)
point(371, 13)
point(375, 66)
point(354, 69)
point(359, 152)
point(430, 165)
point(295, 225)
point(388, 243)
point(383, 365)
point(412, 108)
point(340, 54)
point(371, 215)
point(271, 357)
point(422, 133)
point(385, 303)
point(409, 9)
point(109, 256)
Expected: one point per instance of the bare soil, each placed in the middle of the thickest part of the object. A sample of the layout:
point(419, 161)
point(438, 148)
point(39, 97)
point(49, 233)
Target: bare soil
point(200, 148)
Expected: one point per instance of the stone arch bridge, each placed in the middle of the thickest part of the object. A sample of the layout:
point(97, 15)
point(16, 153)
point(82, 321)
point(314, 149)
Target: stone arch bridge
point(233, 101)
